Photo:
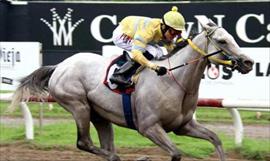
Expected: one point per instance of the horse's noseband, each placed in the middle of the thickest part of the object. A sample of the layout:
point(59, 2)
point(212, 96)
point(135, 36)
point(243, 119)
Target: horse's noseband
point(234, 64)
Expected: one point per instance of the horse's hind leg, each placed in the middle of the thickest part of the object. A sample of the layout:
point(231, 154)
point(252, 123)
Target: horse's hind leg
point(105, 132)
point(196, 130)
point(81, 114)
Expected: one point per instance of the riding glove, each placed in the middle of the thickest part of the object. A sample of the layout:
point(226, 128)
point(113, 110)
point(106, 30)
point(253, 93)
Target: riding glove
point(161, 71)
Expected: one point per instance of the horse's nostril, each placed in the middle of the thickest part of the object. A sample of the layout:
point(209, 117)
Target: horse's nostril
point(248, 63)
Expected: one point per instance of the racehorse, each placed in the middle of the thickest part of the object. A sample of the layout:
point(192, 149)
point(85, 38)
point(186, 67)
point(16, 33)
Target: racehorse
point(159, 104)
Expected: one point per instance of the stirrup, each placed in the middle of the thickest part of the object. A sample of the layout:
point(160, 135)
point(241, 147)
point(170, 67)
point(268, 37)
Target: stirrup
point(118, 79)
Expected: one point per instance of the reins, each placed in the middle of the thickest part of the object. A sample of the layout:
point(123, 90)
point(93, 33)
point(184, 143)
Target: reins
point(196, 48)
point(195, 60)
point(204, 54)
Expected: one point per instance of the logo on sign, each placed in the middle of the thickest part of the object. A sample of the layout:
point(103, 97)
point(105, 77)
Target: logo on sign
point(212, 72)
point(62, 29)
point(9, 57)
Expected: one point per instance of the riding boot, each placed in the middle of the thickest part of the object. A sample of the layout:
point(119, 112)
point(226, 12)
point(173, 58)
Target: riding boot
point(120, 76)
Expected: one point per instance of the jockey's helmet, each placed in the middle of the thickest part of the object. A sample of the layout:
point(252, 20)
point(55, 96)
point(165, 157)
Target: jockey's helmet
point(174, 19)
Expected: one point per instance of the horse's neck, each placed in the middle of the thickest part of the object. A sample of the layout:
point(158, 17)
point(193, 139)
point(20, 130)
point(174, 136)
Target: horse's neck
point(190, 76)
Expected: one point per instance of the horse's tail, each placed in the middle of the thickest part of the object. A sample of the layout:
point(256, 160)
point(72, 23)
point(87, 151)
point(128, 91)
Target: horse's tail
point(35, 84)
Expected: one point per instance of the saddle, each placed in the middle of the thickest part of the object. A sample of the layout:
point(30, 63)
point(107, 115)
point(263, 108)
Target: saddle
point(114, 68)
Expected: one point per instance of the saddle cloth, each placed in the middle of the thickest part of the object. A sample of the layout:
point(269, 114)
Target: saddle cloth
point(114, 65)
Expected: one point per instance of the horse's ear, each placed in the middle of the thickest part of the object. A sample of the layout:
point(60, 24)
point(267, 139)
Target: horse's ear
point(204, 22)
point(211, 22)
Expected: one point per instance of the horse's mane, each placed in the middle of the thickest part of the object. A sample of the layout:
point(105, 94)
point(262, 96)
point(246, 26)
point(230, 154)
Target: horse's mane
point(180, 46)
point(184, 44)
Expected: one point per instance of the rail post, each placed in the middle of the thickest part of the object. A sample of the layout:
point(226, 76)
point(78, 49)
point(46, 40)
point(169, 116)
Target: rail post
point(28, 120)
point(238, 126)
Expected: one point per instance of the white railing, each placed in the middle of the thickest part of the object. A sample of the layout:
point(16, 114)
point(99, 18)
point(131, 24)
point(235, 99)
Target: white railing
point(28, 119)
point(231, 104)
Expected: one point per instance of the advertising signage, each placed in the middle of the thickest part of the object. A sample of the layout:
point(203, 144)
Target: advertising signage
point(17, 59)
point(65, 28)
point(89, 26)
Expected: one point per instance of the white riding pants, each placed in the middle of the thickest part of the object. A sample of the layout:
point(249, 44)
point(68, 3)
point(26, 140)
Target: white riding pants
point(125, 42)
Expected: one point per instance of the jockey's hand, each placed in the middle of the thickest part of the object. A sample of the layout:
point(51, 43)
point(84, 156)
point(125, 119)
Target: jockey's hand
point(161, 71)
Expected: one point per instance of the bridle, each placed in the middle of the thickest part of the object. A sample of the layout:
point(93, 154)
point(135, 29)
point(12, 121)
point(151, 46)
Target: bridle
point(232, 62)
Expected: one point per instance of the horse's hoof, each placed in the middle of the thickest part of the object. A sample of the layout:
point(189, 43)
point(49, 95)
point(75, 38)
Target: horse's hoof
point(114, 158)
point(144, 158)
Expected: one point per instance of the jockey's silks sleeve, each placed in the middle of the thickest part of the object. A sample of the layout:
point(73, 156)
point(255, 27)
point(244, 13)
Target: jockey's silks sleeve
point(143, 30)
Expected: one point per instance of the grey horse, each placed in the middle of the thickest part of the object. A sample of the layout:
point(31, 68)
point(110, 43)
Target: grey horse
point(159, 104)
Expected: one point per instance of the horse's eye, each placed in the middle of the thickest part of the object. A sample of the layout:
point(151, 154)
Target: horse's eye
point(222, 42)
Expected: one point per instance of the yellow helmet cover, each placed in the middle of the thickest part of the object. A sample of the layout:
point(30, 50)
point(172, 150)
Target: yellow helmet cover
point(174, 19)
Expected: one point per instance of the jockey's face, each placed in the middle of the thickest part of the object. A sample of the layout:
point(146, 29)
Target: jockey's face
point(170, 34)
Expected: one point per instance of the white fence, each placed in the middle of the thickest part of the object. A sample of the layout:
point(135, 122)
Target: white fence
point(231, 105)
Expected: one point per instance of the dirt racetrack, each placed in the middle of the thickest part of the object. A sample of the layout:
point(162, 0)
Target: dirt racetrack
point(23, 152)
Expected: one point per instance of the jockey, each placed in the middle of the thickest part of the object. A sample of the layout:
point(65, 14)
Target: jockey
point(141, 36)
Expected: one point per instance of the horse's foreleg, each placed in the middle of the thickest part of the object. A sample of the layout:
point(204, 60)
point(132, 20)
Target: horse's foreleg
point(156, 134)
point(105, 133)
point(196, 130)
